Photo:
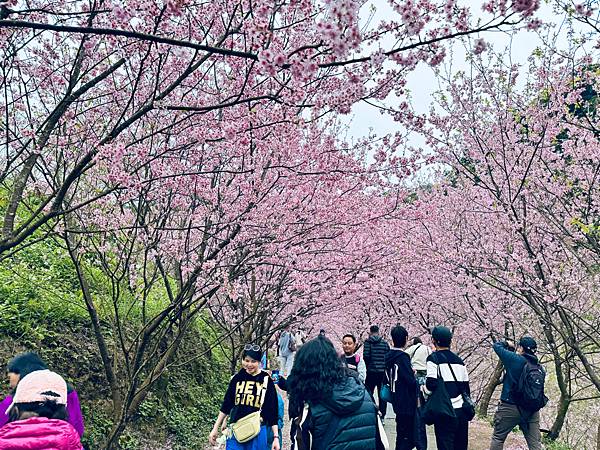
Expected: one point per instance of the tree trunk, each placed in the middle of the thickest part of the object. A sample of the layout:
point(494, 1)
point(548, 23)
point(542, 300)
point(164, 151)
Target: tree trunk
point(559, 420)
point(562, 372)
point(488, 392)
point(112, 440)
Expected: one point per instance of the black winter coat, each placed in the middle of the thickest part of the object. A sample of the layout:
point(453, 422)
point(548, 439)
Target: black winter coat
point(401, 378)
point(374, 354)
point(349, 411)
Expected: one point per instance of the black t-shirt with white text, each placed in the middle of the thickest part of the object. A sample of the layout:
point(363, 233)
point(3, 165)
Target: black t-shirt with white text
point(245, 394)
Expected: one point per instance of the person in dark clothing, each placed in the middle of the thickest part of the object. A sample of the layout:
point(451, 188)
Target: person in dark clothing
point(509, 415)
point(249, 390)
point(451, 434)
point(375, 350)
point(294, 408)
point(341, 413)
point(402, 382)
point(418, 353)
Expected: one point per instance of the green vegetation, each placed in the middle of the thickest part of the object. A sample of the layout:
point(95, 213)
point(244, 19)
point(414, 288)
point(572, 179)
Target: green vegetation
point(41, 309)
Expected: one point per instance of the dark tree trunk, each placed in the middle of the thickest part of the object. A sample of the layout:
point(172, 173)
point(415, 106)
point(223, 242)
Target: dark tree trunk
point(490, 388)
point(561, 414)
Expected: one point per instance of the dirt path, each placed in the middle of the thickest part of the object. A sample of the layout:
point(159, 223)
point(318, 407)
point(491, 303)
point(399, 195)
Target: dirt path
point(480, 433)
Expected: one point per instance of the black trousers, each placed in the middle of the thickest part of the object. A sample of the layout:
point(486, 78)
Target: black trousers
point(452, 434)
point(405, 432)
point(420, 431)
point(375, 380)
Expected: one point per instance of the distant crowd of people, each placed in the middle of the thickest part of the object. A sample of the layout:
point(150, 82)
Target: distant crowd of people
point(331, 397)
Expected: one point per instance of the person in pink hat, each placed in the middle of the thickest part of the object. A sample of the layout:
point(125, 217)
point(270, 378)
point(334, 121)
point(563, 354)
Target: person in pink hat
point(21, 365)
point(37, 415)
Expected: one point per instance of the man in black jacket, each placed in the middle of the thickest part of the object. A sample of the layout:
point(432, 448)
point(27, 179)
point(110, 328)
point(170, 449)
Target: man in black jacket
point(400, 376)
point(374, 355)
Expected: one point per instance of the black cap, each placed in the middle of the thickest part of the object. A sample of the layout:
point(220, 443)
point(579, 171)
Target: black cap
point(528, 343)
point(442, 335)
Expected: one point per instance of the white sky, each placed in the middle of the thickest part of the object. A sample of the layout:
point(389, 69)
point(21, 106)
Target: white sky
point(422, 83)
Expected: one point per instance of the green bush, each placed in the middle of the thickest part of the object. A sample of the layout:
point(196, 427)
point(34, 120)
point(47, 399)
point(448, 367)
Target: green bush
point(556, 445)
point(41, 309)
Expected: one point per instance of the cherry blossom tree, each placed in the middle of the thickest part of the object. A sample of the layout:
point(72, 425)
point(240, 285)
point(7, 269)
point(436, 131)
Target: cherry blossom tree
point(78, 77)
point(185, 151)
point(518, 209)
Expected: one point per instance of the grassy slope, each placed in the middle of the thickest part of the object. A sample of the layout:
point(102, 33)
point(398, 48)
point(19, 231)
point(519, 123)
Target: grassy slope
point(41, 310)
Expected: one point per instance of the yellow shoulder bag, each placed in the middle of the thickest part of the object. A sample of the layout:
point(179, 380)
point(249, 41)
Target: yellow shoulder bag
point(248, 427)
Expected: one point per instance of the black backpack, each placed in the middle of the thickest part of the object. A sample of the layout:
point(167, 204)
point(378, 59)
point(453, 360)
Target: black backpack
point(529, 392)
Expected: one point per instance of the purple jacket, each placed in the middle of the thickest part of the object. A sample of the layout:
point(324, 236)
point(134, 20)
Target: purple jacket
point(73, 410)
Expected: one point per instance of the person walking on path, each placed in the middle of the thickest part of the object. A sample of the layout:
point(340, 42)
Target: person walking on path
point(300, 337)
point(38, 415)
point(22, 365)
point(287, 351)
point(280, 417)
point(419, 353)
point(452, 434)
point(249, 391)
point(341, 414)
point(509, 413)
point(374, 353)
point(351, 359)
point(402, 382)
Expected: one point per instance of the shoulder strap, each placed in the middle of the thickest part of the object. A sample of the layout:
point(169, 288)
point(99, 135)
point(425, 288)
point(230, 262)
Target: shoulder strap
point(452, 370)
point(415, 351)
point(263, 392)
point(454, 376)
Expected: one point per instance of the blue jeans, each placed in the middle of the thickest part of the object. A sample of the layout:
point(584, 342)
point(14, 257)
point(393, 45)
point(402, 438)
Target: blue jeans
point(258, 443)
point(420, 430)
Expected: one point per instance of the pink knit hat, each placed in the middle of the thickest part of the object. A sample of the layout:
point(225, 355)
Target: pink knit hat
point(40, 386)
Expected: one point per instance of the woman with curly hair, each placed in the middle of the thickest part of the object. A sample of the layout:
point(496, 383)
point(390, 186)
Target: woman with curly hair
point(341, 413)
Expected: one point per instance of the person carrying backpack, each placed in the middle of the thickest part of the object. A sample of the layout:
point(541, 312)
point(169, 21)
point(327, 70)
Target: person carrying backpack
point(522, 393)
point(403, 385)
point(374, 353)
